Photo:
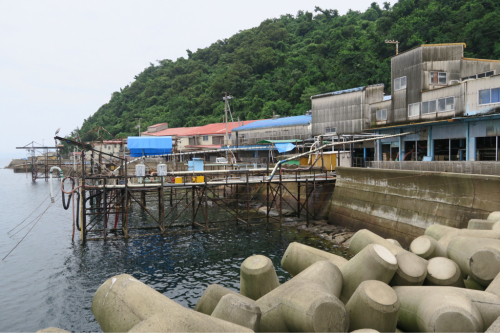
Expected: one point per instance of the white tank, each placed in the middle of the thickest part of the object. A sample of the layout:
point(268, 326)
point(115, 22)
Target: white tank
point(140, 170)
point(162, 169)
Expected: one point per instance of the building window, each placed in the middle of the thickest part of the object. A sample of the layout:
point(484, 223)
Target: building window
point(381, 115)
point(478, 76)
point(105, 147)
point(489, 96)
point(413, 109)
point(330, 130)
point(438, 78)
point(429, 107)
point(400, 83)
point(205, 138)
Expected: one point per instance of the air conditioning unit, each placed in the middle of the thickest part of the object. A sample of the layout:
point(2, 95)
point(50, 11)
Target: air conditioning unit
point(452, 82)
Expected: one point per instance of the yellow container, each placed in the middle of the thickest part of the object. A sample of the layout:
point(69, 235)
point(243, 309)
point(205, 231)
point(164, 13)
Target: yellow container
point(178, 180)
point(199, 179)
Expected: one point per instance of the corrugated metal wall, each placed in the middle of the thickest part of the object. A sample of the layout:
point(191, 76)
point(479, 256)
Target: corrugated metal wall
point(473, 86)
point(472, 67)
point(300, 132)
point(349, 112)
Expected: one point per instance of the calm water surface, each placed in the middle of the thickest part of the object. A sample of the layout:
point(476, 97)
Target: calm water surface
point(50, 281)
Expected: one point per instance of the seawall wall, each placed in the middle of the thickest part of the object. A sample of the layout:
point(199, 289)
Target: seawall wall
point(401, 204)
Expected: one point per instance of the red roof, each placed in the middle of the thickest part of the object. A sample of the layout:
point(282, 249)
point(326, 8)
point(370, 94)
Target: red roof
point(210, 129)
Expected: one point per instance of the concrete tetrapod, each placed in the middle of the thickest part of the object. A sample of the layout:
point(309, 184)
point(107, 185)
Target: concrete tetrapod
point(480, 224)
point(374, 262)
point(427, 247)
point(257, 277)
point(238, 310)
point(476, 257)
point(437, 231)
point(365, 330)
point(393, 241)
point(373, 305)
point(211, 297)
point(298, 257)
point(443, 272)
point(306, 303)
point(494, 216)
point(446, 309)
point(412, 269)
point(123, 304)
point(486, 234)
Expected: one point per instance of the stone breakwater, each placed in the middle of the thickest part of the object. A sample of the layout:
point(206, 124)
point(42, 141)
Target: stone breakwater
point(446, 281)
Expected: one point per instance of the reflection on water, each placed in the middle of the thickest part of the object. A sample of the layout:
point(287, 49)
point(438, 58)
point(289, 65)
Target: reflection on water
point(49, 281)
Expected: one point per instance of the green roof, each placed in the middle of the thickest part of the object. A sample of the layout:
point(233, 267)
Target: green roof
point(279, 141)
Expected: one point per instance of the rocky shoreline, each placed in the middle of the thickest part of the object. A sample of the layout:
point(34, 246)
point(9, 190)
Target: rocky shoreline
point(336, 234)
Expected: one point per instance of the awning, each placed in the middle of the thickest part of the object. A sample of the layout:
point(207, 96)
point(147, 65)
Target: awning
point(284, 147)
point(149, 145)
point(279, 141)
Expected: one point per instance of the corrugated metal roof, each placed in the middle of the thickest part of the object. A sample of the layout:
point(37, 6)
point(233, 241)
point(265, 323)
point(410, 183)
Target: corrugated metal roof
point(158, 125)
point(287, 121)
point(345, 91)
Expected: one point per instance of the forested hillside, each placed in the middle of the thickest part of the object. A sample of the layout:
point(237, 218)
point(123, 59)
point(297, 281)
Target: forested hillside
point(282, 62)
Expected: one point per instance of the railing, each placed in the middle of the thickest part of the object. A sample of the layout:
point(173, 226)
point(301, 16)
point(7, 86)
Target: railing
point(476, 168)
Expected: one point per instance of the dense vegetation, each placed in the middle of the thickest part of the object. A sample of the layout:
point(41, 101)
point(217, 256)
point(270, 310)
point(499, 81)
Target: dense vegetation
point(282, 62)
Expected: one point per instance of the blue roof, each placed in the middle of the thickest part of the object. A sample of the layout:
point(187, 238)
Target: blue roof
point(287, 121)
point(149, 145)
point(345, 91)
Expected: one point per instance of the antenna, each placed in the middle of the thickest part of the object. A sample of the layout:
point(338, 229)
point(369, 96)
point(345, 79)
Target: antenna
point(388, 41)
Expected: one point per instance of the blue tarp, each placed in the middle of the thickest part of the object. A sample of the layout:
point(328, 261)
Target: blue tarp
point(149, 145)
point(287, 121)
point(284, 147)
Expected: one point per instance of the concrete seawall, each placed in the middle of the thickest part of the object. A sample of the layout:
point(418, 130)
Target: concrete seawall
point(401, 204)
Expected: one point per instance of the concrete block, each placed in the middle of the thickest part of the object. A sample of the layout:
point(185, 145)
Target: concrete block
point(393, 241)
point(374, 262)
point(494, 216)
point(257, 277)
point(427, 247)
point(123, 304)
point(211, 297)
point(443, 272)
point(437, 231)
point(445, 240)
point(495, 327)
point(478, 224)
point(446, 309)
point(374, 305)
point(476, 257)
point(414, 268)
point(306, 303)
point(238, 310)
point(298, 257)
point(494, 286)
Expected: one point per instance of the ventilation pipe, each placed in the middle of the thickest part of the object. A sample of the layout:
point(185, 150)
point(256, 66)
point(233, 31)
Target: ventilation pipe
point(61, 174)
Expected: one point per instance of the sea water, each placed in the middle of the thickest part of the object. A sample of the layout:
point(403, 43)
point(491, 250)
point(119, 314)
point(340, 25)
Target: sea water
point(48, 280)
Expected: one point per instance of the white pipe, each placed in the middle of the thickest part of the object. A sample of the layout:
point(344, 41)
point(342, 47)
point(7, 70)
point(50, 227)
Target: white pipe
point(50, 181)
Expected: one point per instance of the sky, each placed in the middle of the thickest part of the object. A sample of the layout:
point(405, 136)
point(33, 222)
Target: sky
point(61, 60)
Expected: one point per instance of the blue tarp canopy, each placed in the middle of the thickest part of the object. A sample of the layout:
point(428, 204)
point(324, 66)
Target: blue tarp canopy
point(284, 147)
point(149, 145)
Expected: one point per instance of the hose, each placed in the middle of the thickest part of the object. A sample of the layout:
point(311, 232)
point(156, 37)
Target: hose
point(66, 204)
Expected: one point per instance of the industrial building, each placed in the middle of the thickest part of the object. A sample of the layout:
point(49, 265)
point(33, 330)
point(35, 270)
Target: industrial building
point(450, 103)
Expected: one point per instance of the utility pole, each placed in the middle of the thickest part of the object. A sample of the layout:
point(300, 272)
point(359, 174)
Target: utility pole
point(139, 126)
point(225, 98)
point(387, 41)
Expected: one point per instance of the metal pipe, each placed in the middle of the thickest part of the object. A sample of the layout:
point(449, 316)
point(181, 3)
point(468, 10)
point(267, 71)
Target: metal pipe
point(61, 173)
point(331, 145)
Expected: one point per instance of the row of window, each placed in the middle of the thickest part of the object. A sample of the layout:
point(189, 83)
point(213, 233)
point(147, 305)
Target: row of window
point(478, 76)
point(489, 96)
point(439, 78)
point(439, 105)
